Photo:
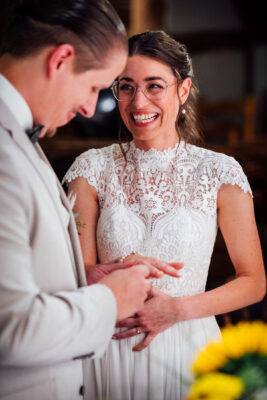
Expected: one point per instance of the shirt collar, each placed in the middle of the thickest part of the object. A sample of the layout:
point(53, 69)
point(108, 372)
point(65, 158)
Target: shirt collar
point(16, 103)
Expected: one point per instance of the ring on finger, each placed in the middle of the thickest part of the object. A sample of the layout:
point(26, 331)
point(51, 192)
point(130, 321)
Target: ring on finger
point(138, 330)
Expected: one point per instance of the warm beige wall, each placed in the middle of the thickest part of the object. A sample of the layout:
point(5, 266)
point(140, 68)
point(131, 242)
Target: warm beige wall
point(145, 15)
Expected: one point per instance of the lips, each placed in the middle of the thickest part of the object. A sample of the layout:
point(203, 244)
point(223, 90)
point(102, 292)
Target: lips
point(143, 119)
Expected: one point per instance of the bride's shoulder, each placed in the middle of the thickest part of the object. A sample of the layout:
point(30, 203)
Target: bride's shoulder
point(206, 157)
point(102, 153)
point(218, 167)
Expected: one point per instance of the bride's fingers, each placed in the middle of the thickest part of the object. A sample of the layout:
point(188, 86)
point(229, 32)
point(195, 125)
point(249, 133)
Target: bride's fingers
point(114, 265)
point(158, 267)
point(177, 265)
point(166, 268)
point(145, 342)
point(126, 334)
point(127, 322)
point(153, 271)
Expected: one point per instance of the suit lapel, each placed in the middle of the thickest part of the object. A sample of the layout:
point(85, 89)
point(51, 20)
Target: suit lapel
point(72, 225)
point(33, 153)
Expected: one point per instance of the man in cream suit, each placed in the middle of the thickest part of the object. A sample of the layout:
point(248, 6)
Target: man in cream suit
point(55, 57)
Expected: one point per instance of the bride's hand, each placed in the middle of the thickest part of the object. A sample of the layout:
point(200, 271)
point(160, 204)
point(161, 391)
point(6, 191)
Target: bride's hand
point(156, 267)
point(159, 313)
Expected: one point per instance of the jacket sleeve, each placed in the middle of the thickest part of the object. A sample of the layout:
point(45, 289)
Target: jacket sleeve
point(38, 327)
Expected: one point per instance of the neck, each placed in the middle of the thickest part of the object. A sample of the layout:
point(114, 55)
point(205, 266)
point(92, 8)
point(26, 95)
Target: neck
point(23, 75)
point(15, 70)
point(159, 143)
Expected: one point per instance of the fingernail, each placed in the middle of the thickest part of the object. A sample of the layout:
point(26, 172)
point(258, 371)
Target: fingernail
point(138, 348)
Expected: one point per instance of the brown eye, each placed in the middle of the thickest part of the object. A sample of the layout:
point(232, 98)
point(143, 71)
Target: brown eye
point(154, 88)
point(126, 88)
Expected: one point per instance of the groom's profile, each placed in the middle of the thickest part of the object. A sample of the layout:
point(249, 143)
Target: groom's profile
point(55, 57)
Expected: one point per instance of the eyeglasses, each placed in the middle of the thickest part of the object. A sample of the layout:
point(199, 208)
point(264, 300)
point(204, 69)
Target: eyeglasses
point(123, 91)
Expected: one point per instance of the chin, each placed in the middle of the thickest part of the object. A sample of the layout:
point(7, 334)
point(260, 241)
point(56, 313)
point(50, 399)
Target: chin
point(144, 136)
point(50, 132)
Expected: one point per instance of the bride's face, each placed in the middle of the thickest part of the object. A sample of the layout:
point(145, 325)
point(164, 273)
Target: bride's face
point(149, 116)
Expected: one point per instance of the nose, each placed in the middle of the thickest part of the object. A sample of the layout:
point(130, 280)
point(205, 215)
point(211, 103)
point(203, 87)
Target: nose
point(140, 98)
point(88, 108)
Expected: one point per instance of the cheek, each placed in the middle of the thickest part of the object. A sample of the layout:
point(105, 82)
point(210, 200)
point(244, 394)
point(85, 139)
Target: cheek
point(123, 112)
point(171, 109)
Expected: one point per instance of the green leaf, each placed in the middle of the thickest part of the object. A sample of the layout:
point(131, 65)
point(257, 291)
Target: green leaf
point(253, 377)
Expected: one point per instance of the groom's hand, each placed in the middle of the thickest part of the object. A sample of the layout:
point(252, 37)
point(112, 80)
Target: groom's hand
point(96, 272)
point(130, 288)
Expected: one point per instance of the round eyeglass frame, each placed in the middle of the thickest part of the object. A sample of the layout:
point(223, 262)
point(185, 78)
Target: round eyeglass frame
point(115, 83)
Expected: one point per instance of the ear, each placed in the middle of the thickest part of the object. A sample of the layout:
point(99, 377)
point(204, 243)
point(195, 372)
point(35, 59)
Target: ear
point(62, 57)
point(184, 90)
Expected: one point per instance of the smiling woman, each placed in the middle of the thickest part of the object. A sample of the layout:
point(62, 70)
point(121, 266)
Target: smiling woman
point(158, 200)
point(149, 99)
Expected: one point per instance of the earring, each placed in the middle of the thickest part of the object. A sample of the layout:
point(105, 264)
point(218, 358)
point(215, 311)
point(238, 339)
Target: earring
point(183, 111)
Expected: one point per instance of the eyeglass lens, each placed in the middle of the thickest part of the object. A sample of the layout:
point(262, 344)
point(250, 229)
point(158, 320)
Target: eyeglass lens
point(125, 91)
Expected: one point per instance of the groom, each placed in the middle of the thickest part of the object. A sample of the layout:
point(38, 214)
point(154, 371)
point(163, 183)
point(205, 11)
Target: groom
point(55, 57)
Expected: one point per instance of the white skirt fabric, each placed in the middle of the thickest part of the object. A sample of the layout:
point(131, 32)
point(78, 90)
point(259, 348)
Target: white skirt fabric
point(160, 372)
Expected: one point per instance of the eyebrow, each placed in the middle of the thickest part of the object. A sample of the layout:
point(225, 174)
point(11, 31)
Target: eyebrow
point(151, 78)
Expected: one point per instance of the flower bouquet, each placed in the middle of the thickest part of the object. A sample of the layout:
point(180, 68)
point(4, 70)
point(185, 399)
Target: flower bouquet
point(234, 367)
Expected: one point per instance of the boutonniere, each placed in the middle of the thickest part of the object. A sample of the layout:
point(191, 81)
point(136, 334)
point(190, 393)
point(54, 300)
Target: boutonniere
point(79, 224)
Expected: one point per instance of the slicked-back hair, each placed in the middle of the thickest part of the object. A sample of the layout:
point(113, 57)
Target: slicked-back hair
point(92, 26)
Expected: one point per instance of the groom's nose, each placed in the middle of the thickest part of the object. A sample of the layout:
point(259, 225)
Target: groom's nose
point(88, 107)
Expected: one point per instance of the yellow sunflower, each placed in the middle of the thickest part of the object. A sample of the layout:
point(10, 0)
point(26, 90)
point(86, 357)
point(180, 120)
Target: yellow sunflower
point(245, 337)
point(216, 386)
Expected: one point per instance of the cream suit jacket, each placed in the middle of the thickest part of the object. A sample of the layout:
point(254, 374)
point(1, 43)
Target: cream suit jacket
point(49, 324)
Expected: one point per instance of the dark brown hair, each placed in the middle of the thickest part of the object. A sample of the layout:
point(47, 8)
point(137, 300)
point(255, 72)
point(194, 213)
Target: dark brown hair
point(92, 27)
point(160, 46)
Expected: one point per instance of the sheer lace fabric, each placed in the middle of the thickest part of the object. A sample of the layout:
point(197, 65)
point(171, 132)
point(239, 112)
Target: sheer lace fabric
point(159, 204)
point(163, 205)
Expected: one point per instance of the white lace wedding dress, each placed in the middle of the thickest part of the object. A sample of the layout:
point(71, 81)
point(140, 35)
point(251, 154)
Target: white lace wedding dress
point(163, 205)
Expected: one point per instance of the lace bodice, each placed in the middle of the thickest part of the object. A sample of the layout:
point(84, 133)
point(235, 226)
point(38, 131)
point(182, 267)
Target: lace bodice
point(159, 204)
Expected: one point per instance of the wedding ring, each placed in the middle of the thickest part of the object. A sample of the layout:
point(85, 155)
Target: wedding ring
point(138, 330)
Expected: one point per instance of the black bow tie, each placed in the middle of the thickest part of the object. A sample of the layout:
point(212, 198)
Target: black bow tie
point(34, 133)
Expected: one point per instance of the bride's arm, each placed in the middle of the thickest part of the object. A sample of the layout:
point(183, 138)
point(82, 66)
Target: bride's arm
point(237, 223)
point(86, 206)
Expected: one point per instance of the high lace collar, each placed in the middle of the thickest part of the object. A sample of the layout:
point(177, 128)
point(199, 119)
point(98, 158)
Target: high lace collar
point(155, 154)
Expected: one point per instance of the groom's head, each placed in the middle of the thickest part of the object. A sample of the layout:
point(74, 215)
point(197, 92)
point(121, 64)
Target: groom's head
point(60, 53)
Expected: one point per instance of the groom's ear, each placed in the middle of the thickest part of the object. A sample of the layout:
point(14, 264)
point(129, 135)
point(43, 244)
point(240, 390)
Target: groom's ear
point(61, 59)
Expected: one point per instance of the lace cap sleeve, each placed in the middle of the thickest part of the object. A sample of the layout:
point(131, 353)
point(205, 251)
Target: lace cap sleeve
point(232, 173)
point(88, 166)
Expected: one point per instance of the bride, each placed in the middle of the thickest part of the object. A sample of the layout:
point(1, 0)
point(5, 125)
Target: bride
point(159, 199)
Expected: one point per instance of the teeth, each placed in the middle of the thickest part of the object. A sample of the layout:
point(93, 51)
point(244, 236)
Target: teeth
point(144, 118)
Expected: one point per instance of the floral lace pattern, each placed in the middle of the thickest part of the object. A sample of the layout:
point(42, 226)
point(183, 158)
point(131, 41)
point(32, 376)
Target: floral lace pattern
point(159, 204)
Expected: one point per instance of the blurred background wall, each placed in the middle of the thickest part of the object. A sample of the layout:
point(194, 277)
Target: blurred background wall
point(227, 40)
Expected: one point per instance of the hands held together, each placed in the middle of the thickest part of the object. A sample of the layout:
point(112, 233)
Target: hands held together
point(159, 312)
point(129, 281)
point(157, 268)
